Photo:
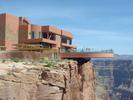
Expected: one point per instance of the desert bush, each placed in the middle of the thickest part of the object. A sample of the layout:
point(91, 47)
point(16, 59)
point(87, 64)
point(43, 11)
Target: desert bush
point(49, 62)
point(3, 61)
point(15, 60)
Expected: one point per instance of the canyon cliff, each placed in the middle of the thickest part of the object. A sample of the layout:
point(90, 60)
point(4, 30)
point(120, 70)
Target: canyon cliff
point(116, 78)
point(64, 81)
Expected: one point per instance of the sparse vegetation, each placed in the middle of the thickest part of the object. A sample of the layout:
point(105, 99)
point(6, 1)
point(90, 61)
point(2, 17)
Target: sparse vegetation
point(9, 73)
point(15, 60)
point(49, 62)
point(3, 61)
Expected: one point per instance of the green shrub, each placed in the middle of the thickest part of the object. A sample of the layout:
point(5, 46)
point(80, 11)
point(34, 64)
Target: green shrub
point(49, 62)
point(3, 61)
point(15, 60)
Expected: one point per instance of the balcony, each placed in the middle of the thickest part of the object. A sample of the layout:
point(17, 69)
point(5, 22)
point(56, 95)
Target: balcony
point(87, 54)
point(40, 40)
point(68, 45)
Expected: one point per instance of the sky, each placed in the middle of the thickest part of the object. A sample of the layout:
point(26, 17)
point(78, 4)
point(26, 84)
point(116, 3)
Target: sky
point(96, 24)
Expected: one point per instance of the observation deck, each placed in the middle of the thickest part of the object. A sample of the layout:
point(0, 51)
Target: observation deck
point(83, 56)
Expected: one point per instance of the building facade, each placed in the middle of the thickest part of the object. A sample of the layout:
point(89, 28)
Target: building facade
point(19, 30)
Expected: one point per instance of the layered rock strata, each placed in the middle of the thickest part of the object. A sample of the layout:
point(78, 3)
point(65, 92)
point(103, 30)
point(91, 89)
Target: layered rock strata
point(64, 81)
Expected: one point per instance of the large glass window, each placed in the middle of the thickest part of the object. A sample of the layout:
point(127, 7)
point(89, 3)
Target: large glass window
point(32, 35)
point(70, 41)
point(49, 36)
point(40, 34)
point(64, 39)
point(44, 35)
point(36, 35)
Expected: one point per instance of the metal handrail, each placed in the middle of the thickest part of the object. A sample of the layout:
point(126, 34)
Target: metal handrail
point(91, 51)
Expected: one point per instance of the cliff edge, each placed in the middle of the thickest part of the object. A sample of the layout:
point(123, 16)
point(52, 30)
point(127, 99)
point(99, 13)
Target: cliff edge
point(64, 80)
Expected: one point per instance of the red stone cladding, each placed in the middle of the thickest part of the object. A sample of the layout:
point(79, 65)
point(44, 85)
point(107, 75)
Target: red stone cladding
point(51, 29)
point(23, 20)
point(67, 34)
point(2, 30)
point(23, 32)
point(36, 28)
point(11, 31)
point(14, 30)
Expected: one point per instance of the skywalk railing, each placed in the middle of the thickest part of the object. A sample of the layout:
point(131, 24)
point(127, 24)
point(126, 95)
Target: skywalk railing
point(88, 50)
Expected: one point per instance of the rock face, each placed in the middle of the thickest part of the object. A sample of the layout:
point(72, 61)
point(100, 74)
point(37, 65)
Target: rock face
point(67, 81)
point(117, 77)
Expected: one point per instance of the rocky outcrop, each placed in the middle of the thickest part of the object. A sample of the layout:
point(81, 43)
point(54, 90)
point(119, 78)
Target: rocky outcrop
point(66, 81)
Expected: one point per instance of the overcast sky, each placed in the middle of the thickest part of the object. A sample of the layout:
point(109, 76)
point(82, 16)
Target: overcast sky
point(100, 24)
